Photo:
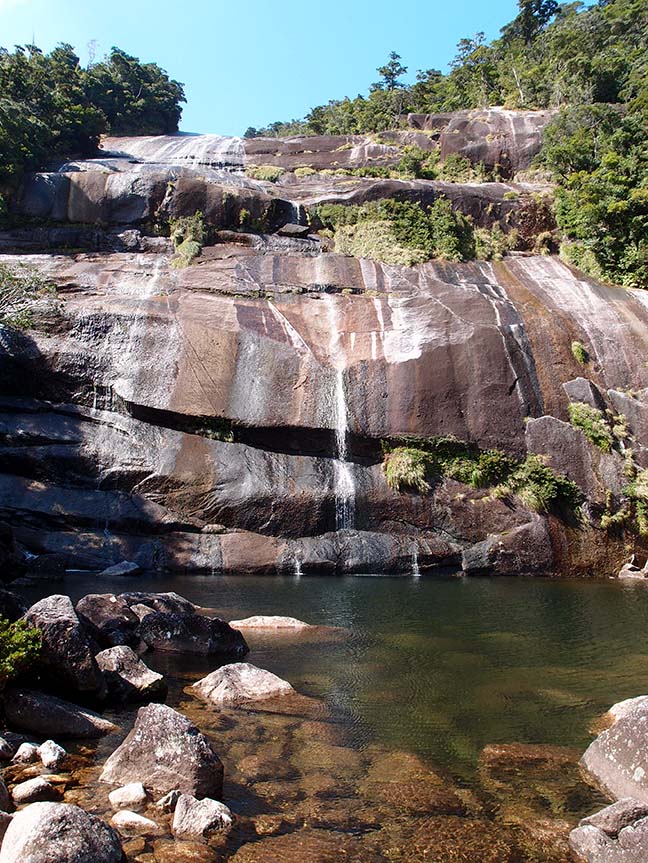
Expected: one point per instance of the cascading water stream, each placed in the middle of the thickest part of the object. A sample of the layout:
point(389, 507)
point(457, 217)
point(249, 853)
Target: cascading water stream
point(344, 481)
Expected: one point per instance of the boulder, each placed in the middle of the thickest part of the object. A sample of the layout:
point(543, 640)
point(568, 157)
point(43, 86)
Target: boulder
point(52, 755)
point(46, 714)
point(131, 824)
point(59, 833)
point(33, 791)
point(191, 634)
point(618, 758)
point(591, 844)
point(167, 603)
point(240, 682)
point(128, 796)
point(66, 656)
point(141, 610)
point(614, 818)
point(273, 622)
point(165, 751)
point(126, 567)
point(27, 753)
point(197, 819)
point(109, 618)
point(127, 677)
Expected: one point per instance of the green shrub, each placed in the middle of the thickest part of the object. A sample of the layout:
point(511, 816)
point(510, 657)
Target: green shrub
point(539, 488)
point(188, 234)
point(376, 240)
point(492, 245)
point(579, 353)
point(488, 468)
point(304, 171)
point(418, 164)
point(19, 646)
point(407, 468)
point(266, 173)
point(593, 425)
point(456, 169)
point(22, 290)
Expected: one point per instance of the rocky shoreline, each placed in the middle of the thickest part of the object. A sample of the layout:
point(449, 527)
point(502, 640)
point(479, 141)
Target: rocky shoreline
point(242, 767)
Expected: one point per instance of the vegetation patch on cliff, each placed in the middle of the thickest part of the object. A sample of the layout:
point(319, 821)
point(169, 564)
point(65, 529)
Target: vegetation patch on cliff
point(593, 424)
point(20, 645)
point(188, 234)
point(22, 290)
point(414, 465)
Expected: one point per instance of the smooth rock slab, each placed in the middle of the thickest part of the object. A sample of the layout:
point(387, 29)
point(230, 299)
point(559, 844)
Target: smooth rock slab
point(272, 622)
point(127, 677)
point(33, 791)
point(46, 714)
point(240, 682)
point(59, 833)
point(131, 824)
point(165, 751)
point(618, 758)
point(133, 794)
point(198, 819)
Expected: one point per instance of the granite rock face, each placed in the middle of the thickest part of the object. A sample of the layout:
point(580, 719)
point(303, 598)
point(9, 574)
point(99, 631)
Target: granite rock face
point(223, 455)
point(165, 751)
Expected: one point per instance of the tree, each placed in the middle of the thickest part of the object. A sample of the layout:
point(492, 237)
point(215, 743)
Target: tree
point(533, 16)
point(390, 73)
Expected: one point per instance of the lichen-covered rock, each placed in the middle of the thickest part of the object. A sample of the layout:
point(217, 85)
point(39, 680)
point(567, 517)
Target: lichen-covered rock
point(165, 751)
point(191, 634)
point(198, 819)
point(59, 833)
point(617, 759)
point(66, 655)
point(611, 838)
point(46, 714)
point(127, 677)
point(240, 682)
point(33, 791)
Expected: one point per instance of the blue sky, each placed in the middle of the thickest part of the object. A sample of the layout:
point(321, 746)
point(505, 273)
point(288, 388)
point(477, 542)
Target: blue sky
point(250, 62)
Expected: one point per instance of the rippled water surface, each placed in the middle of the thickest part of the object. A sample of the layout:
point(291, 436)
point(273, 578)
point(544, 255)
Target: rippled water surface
point(439, 667)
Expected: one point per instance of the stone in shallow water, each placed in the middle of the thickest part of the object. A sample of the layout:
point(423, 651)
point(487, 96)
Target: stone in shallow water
point(183, 633)
point(59, 833)
point(198, 819)
point(591, 845)
point(126, 567)
point(27, 753)
point(133, 794)
point(271, 622)
point(109, 618)
point(128, 678)
point(51, 754)
point(33, 791)
point(131, 824)
point(240, 682)
point(305, 846)
point(165, 751)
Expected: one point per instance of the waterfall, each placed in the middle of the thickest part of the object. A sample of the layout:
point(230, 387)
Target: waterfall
point(416, 572)
point(343, 479)
point(298, 568)
point(296, 213)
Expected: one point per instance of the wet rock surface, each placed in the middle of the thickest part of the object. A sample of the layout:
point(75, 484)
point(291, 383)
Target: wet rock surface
point(46, 714)
point(127, 677)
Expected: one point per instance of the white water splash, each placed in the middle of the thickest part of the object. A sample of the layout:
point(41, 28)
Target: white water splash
point(344, 481)
point(416, 572)
point(211, 151)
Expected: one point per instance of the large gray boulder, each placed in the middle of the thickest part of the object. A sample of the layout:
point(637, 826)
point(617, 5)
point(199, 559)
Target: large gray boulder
point(168, 603)
point(198, 819)
point(66, 656)
point(46, 714)
point(191, 634)
point(617, 759)
point(240, 682)
point(109, 618)
point(127, 677)
point(165, 751)
point(616, 834)
point(59, 833)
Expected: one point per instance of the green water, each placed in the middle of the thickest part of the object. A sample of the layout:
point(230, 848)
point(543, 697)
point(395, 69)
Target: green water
point(437, 667)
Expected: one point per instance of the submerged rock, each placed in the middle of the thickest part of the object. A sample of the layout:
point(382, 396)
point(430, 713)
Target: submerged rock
point(66, 655)
point(46, 714)
point(126, 567)
point(131, 824)
point(198, 819)
point(165, 751)
point(271, 622)
point(616, 834)
point(33, 791)
point(240, 682)
point(128, 678)
point(59, 833)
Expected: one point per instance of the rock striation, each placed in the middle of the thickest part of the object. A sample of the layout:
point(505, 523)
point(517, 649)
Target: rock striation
point(252, 443)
